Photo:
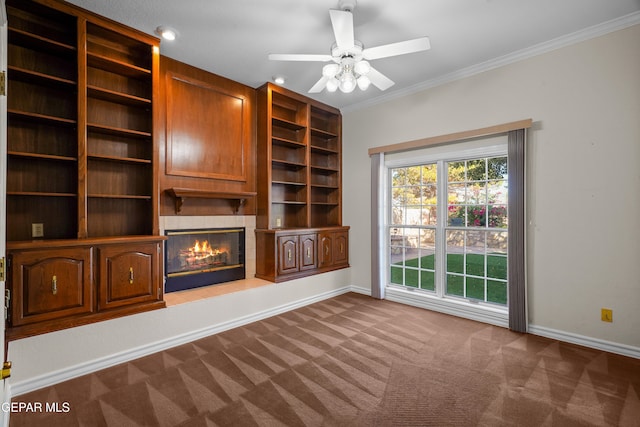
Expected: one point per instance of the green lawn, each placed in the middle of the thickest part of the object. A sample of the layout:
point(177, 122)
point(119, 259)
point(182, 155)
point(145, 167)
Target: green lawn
point(423, 276)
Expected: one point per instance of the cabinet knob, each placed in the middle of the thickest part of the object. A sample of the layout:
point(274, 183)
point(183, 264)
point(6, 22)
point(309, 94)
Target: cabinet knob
point(131, 275)
point(289, 254)
point(54, 285)
point(308, 252)
point(326, 250)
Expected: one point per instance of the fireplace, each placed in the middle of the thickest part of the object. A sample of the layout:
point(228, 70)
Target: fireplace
point(196, 258)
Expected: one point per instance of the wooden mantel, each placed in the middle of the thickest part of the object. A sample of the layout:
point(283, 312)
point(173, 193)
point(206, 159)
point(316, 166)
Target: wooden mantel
point(237, 199)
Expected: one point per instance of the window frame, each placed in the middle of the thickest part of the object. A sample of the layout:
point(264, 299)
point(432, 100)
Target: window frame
point(495, 146)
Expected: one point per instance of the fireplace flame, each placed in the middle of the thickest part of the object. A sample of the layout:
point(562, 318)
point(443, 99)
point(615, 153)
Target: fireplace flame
point(204, 249)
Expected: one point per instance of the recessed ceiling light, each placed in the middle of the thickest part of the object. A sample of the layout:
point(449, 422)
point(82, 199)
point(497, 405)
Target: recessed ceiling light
point(279, 80)
point(166, 33)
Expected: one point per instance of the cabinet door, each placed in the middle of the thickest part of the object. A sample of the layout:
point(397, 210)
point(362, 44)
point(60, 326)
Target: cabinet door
point(129, 274)
point(341, 248)
point(325, 252)
point(51, 284)
point(287, 254)
point(307, 251)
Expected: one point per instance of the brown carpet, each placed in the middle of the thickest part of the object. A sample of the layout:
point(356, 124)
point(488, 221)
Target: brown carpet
point(355, 361)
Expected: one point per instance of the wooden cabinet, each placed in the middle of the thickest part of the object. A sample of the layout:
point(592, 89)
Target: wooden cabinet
point(129, 274)
point(299, 185)
point(333, 248)
point(51, 285)
point(81, 163)
point(300, 253)
point(308, 251)
point(61, 284)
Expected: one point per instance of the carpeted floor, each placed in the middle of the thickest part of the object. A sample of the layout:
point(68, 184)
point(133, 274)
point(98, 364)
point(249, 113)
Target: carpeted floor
point(355, 361)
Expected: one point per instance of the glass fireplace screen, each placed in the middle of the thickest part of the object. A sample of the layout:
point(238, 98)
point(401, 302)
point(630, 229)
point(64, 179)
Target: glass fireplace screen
point(200, 251)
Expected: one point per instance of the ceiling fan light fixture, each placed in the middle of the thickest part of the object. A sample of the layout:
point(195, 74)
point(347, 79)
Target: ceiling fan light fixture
point(332, 84)
point(347, 82)
point(362, 67)
point(330, 70)
point(363, 82)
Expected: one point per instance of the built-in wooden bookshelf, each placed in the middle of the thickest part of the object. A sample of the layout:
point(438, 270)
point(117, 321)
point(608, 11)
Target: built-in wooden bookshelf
point(80, 161)
point(299, 183)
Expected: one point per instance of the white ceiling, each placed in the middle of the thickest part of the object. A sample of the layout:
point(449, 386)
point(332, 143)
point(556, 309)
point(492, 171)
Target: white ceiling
point(233, 38)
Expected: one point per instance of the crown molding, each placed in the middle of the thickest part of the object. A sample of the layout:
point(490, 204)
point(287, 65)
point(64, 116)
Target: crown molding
point(535, 50)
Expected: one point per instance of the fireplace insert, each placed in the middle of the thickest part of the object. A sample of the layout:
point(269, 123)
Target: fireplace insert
point(196, 258)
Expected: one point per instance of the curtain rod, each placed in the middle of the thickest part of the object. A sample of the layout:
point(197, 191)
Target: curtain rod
point(451, 137)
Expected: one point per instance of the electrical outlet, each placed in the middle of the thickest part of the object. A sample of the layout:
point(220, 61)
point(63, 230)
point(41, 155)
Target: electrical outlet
point(278, 222)
point(606, 315)
point(37, 229)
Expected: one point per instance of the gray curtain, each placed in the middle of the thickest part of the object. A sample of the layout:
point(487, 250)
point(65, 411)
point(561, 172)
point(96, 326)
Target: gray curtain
point(377, 287)
point(516, 279)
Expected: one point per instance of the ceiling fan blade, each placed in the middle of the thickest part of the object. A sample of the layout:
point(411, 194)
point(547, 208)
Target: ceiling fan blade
point(299, 57)
point(379, 80)
point(320, 84)
point(342, 22)
point(394, 49)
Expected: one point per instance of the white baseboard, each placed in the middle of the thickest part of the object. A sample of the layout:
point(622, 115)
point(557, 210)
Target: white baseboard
point(88, 367)
point(598, 344)
point(361, 290)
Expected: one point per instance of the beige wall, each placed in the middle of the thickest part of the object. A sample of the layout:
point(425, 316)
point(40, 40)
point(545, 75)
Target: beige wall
point(583, 181)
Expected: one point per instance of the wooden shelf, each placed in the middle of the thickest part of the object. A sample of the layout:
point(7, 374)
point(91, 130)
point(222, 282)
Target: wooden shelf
point(118, 97)
point(118, 159)
point(289, 163)
point(236, 198)
point(288, 142)
point(36, 77)
point(34, 41)
point(116, 131)
point(40, 194)
point(41, 156)
point(321, 133)
point(41, 118)
point(115, 66)
point(287, 124)
point(119, 196)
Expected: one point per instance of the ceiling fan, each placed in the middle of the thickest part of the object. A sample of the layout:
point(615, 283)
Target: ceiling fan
point(350, 67)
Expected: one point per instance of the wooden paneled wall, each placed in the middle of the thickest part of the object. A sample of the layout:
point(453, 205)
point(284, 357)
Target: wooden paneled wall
point(207, 140)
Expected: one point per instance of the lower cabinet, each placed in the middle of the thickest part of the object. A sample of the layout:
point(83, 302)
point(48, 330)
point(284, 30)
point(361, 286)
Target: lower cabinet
point(128, 275)
point(293, 253)
point(71, 283)
point(334, 249)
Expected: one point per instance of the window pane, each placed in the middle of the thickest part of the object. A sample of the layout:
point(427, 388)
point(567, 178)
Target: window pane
point(476, 216)
point(455, 285)
point(476, 170)
point(497, 168)
point(496, 292)
point(476, 193)
point(497, 267)
point(429, 174)
point(497, 242)
point(411, 278)
point(398, 177)
point(456, 172)
point(475, 288)
point(474, 264)
point(427, 280)
point(396, 275)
